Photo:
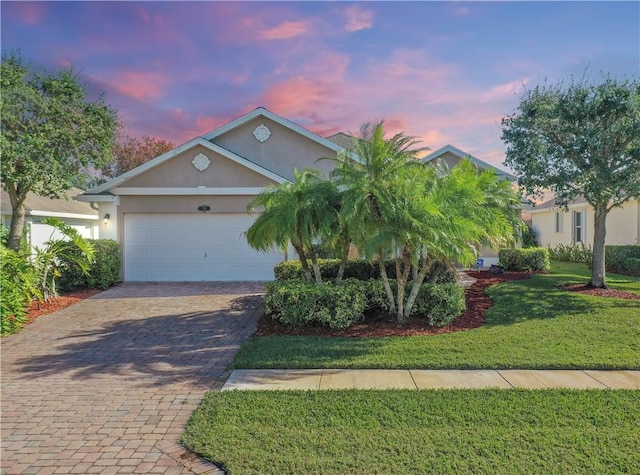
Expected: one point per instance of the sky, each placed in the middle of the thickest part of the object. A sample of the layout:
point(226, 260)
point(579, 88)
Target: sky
point(445, 72)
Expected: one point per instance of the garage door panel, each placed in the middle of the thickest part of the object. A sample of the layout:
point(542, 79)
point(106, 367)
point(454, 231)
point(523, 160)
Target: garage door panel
point(193, 247)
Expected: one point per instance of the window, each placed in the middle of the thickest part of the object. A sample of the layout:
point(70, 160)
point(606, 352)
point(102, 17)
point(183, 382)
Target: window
point(558, 222)
point(578, 226)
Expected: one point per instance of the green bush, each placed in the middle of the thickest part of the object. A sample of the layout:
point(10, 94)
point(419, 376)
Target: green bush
point(104, 272)
point(529, 237)
point(440, 304)
point(19, 284)
point(572, 253)
point(531, 259)
point(299, 303)
point(622, 259)
point(359, 269)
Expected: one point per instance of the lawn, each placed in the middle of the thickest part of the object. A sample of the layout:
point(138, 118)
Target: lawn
point(411, 432)
point(533, 324)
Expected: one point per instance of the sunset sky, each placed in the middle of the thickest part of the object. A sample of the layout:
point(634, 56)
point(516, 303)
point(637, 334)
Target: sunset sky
point(446, 72)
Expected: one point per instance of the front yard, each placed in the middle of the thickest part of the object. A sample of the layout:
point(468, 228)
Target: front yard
point(533, 324)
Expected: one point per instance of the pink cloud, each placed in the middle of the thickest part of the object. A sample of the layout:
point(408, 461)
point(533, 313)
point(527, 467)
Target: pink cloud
point(29, 13)
point(285, 30)
point(357, 18)
point(143, 86)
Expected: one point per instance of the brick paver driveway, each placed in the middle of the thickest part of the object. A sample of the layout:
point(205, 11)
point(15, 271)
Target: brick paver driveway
point(107, 385)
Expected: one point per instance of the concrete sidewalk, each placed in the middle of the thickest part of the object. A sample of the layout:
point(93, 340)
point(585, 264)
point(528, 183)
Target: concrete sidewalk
point(283, 379)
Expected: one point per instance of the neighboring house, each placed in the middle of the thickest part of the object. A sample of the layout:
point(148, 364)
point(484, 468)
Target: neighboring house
point(182, 216)
point(450, 156)
point(78, 215)
point(554, 225)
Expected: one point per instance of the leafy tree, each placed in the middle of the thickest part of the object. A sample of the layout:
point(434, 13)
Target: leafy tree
point(130, 152)
point(579, 139)
point(299, 212)
point(49, 133)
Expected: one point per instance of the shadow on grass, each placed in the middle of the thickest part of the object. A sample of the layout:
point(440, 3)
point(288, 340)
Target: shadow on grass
point(154, 350)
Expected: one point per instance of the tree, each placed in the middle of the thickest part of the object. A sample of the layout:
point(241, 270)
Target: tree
point(299, 212)
point(579, 139)
point(399, 208)
point(130, 152)
point(50, 132)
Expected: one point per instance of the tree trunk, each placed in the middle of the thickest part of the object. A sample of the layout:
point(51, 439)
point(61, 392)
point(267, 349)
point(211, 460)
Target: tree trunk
point(346, 246)
point(598, 273)
point(315, 266)
point(18, 214)
point(387, 287)
point(403, 269)
point(303, 261)
point(417, 283)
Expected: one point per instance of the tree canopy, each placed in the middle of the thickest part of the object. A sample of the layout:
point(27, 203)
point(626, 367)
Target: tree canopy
point(579, 138)
point(130, 152)
point(50, 132)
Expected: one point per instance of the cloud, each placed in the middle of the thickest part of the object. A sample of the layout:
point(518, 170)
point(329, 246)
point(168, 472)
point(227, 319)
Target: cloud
point(29, 13)
point(139, 85)
point(357, 18)
point(285, 30)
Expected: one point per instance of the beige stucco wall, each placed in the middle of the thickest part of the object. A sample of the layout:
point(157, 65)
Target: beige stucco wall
point(179, 172)
point(281, 153)
point(623, 225)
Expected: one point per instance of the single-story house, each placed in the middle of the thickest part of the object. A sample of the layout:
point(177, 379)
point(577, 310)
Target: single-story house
point(183, 215)
point(554, 225)
point(450, 156)
point(81, 216)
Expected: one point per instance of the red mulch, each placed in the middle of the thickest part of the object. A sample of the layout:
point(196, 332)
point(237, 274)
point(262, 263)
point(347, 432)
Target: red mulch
point(382, 325)
point(611, 293)
point(38, 309)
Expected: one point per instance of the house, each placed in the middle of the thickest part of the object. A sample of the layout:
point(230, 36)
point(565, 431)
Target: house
point(81, 216)
point(182, 216)
point(554, 225)
point(449, 156)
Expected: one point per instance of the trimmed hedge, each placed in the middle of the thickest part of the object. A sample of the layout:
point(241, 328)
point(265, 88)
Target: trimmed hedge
point(623, 259)
point(300, 303)
point(339, 306)
point(572, 253)
point(104, 272)
point(531, 259)
point(358, 269)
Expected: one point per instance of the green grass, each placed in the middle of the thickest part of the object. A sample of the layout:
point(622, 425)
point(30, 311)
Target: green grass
point(532, 324)
point(412, 432)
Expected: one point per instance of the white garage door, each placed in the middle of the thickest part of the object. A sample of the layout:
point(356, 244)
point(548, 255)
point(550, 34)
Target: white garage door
point(193, 247)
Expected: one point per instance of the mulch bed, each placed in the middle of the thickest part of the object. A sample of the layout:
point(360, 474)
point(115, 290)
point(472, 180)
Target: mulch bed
point(611, 293)
point(382, 325)
point(38, 309)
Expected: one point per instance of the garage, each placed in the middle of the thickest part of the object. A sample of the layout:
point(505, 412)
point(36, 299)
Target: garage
point(182, 247)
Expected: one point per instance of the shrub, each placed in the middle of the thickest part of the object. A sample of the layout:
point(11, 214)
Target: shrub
point(440, 304)
point(104, 271)
point(572, 253)
point(529, 260)
point(359, 269)
point(19, 284)
point(529, 237)
point(299, 303)
point(622, 259)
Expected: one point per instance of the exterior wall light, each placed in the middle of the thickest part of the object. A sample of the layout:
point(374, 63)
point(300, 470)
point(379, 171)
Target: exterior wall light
point(204, 208)
point(106, 218)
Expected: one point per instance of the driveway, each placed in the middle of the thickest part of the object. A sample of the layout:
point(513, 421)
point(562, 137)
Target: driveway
point(107, 385)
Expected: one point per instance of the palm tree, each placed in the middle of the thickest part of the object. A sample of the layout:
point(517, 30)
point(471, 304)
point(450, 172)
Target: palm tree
point(299, 212)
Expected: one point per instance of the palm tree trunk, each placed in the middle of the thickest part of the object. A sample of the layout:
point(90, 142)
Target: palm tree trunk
point(387, 286)
point(346, 246)
point(417, 283)
point(303, 261)
point(598, 272)
point(403, 269)
point(315, 266)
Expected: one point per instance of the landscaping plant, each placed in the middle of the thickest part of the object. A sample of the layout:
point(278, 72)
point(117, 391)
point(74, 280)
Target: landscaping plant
point(19, 285)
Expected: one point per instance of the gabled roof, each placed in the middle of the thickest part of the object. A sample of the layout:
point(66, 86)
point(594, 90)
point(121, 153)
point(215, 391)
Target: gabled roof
point(43, 206)
point(117, 181)
point(460, 154)
point(551, 205)
point(342, 139)
point(262, 112)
